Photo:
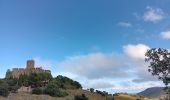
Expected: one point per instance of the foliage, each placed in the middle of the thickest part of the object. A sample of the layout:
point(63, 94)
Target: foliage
point(37, 91)
point(159, 60)
point(35, 79)
point(8, 74)
point(66, 83)
point(103, 93)
point(13, 89)
point(53, 90)
point(4, 89)
point(91, 90)
point(23, 80)
point(80, 97)
point(11, 81)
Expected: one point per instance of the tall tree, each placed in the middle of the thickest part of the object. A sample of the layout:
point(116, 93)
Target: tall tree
point(8, 74)
point(159, 64)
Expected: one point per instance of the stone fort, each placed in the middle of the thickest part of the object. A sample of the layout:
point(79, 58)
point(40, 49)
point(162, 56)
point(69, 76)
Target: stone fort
point(30, 68)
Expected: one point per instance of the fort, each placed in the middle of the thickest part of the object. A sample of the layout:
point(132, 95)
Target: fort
point(30, 68)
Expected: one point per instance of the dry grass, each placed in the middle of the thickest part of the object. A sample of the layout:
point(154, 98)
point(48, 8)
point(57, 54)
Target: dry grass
point(127, 97)
point(91, 96)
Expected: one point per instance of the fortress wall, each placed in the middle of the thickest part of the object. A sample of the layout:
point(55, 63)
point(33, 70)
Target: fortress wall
point(16, 72)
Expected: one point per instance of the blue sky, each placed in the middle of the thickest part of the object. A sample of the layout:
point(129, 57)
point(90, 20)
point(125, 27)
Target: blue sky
point(90, 41)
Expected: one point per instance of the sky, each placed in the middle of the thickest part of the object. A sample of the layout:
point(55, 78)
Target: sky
point(100, 43)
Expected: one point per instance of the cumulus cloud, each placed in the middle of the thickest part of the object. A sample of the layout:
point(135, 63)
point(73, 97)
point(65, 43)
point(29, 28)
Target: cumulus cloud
point(136, 54)
point(125, 24)
point(153, 14)
point(136, 51)
point(142, 74)
point(96, 65)
point(165, 35)
point(99, 84)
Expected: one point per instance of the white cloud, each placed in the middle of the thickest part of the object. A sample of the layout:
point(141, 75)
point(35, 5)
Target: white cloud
point(165, 35)
point(99, 84)
point(153, 14)
point(96, 65)
point(125, 24)
point(136, 51)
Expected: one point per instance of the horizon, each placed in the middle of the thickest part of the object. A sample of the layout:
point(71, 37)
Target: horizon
point(100, 44)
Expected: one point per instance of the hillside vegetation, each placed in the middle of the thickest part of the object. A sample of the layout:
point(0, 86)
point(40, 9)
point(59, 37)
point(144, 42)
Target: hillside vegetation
point(45, 87)
point(72, 93)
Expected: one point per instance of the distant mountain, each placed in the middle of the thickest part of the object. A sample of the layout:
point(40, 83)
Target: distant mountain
point(153, 92)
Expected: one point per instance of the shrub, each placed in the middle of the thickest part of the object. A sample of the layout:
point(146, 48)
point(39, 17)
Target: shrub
point(91, 90)
point(37, 91)
point(4, 91)
point(66, 83)
point(54, 91)
point(80, 97)
point(13, 89)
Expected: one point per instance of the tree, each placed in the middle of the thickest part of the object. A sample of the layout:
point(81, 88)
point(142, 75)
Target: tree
point(4, 91)
point(159, 64)
point(53, 90)
point(37, 91)
point(23, 80)
point(80, 97)
point(91, 90)
point(8, 74)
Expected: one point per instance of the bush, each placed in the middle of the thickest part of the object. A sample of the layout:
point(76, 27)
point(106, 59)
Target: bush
point(4, 91)
point(82, 97)
point(13, 89)
point(66, 83)
point(91, 90)
point(54, 91)
point(37, 91)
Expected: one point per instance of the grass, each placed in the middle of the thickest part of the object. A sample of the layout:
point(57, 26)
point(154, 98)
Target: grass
point(91, 96)
point(128, 97)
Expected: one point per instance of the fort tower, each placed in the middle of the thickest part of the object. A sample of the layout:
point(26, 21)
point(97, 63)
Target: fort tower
point(30, 64)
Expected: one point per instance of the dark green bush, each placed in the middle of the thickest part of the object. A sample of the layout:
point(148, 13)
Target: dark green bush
point(91, 90)
point(80, 97)
point(4, 91)
point(66, 83)
point(37, 91)
point(13, 89)
point(54, 91)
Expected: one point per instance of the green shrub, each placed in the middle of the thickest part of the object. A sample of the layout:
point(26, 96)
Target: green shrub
point(4, 91)
point(80, 97)
point(66, 83)
point(91, 90)
point(54, 91)
point(37, 91)
point(13, 89)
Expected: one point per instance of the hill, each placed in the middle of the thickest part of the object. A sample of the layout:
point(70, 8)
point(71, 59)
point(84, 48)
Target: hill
point(153, 92)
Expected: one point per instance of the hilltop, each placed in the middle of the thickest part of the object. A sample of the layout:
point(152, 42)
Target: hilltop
point(153, 92)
